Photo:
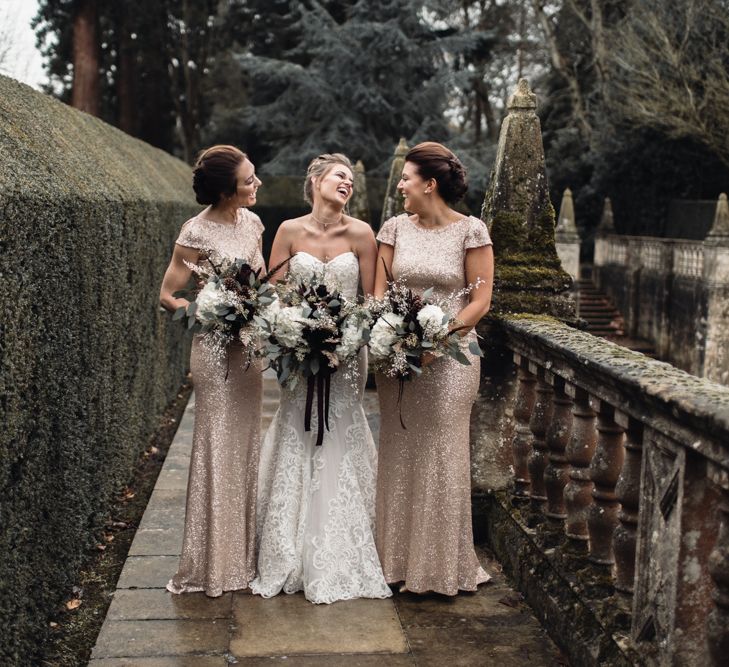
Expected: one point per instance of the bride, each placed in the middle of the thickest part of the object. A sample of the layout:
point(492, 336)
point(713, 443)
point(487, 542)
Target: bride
point(316, 505)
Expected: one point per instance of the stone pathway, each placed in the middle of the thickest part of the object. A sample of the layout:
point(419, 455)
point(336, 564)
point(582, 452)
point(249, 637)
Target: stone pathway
point(148, 627)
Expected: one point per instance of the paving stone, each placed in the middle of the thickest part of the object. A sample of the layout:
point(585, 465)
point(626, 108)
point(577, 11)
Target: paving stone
point(170, 661)
point(338, 660)
point(161, 638)
point(167, 499)
point(147, 571)
point(157, 542)
point(161, 517)
point(290, 624)
point(156, 603)
point(172, 479)
point(480, 644)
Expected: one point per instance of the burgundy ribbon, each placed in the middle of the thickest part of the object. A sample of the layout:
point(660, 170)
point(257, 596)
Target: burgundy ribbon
point(323, 389)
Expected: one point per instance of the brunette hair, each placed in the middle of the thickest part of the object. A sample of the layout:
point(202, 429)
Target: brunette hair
point(319, 166)
point(434, 160)
point(214, 173)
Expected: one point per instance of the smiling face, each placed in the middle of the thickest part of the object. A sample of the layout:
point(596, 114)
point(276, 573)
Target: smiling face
point(414, 189)
point(247, 184)
point(335, 185)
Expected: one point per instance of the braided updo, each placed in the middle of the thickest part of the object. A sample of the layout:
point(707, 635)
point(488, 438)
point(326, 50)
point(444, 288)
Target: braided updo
point(434, 160)
point(214, 174)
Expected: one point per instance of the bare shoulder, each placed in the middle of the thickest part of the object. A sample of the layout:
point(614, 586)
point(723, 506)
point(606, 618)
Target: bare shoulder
point(359, 228)
point(290, 226)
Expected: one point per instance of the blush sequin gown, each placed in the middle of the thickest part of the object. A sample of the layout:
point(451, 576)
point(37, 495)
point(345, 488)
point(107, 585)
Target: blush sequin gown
point(218, 551)
point(424, 533)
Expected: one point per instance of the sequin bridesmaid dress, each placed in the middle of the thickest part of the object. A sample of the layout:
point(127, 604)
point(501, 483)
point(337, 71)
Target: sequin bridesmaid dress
point(218, 550)
point(423, 530)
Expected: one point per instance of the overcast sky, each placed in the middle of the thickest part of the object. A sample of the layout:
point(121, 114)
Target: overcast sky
point(23, 61)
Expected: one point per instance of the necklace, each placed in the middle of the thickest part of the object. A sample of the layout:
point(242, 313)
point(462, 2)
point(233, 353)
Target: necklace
point(326, 225)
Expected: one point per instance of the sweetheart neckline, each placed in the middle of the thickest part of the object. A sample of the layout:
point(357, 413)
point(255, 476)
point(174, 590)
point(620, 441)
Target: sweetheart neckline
point(329, 261)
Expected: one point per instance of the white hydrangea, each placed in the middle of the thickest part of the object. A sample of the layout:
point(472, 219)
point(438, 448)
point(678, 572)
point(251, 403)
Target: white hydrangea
point(431, 319)
point(383, 334)
point(289, 325)
point(351, 340)
point(209, 298)
point(271, 311)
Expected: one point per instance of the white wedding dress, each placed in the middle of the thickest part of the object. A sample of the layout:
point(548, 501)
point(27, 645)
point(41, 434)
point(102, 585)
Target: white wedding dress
point(316, 505)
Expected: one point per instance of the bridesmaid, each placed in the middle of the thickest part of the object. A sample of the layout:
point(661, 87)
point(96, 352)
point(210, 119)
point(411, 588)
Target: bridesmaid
point(218, 547)
point(424, 534)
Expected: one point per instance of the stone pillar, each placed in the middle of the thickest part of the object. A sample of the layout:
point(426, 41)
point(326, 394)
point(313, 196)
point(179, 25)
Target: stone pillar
point(716, 291)
point(528, 278)
point(541, 418)
point(359, 206)
point(393, 200)
point(603, 231)
point(567, 239)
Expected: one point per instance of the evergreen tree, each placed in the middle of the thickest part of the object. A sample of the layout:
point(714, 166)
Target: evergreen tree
point(342, 75)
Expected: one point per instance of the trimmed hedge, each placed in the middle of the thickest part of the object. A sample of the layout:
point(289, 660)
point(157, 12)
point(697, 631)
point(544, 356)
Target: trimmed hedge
point(88, 218)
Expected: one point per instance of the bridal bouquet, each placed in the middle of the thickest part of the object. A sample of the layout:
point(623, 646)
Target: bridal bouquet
point(406, 327)
point(310, 332)
point(226, 306)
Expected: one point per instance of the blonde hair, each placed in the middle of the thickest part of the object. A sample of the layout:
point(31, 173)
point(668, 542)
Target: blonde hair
point(319, 166)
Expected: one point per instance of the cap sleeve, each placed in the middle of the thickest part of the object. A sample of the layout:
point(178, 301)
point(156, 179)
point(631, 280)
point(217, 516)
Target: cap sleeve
point(477, 234)
point(388, 231)
point(190, 235)
point(255, 221)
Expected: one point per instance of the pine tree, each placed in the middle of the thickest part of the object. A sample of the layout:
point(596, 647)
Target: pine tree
point(350, 76)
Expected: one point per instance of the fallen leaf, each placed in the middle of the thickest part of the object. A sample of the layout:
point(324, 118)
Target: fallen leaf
point(109, 537)
point(53, 624)
point(511, 600)
point(73, 604)
point(101, 547)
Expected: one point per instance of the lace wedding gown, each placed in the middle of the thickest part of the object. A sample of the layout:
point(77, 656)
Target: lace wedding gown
point(316, 505)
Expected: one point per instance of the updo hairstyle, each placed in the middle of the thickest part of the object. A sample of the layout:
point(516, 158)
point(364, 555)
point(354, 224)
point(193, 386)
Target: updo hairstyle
point(319, 166)
point(214, 174)
point(434, 160)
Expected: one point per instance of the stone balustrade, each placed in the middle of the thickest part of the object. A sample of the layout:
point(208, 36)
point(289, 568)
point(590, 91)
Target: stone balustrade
point(621, 472)
point(672, 292)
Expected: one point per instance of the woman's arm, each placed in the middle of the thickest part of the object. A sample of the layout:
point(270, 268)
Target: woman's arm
point(479, 266)
point(177, 277)
point(384, 259)
point(280, 250)
point(366, 250)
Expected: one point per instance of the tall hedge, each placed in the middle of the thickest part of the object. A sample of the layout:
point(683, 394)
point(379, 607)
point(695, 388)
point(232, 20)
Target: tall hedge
point(88, 217)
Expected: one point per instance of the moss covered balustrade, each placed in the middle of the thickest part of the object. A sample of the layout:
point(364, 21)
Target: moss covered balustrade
point(88, 217)
point(616, 522)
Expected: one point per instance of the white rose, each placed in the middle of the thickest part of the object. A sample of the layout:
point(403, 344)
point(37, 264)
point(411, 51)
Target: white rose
point(431, 319)
point(351, 341)
point(209, 298)
point(289, 325)
point(383, 334)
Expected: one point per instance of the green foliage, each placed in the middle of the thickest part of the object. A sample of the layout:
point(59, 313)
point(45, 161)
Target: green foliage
point(87, 362)
point(353, 76)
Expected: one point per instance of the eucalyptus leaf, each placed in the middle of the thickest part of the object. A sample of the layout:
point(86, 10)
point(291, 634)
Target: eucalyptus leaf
point(475, 349)
point(179, 313)
point(427, 294)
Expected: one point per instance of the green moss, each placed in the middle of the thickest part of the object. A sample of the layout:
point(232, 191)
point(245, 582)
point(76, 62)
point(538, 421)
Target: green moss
point(88, 218)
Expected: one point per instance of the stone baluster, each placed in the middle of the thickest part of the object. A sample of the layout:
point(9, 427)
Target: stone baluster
point(539, 424)
point(556, 474)
point(627, 491)
point(605, 467)
point(521, 444)
point(718, 621)
point(580, 450)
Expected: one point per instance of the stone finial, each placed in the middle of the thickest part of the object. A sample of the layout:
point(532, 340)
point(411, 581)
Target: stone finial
point(359, 206)
point(393, 204)
point(607, 225)
point(719, 232)
point(566, 231)
point(519, 215)
point(523, 98)
point(402, 148)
